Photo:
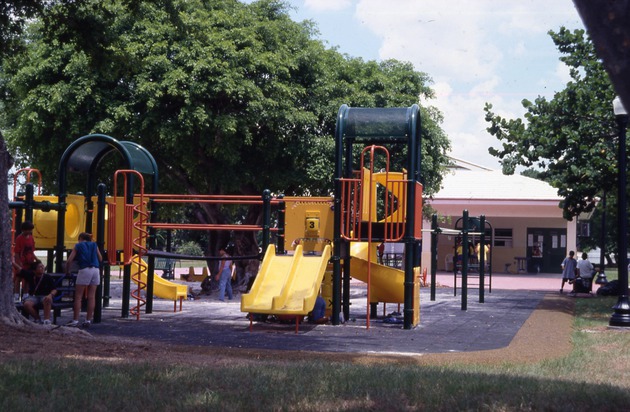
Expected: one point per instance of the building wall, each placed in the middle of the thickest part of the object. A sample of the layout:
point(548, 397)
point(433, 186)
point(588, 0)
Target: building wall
point(508, 202)
point(503, 257)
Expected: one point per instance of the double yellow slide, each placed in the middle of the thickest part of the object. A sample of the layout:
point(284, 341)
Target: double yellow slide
point(287, 284)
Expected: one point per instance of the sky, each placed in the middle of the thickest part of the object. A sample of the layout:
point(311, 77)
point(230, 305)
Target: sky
point(475, 51)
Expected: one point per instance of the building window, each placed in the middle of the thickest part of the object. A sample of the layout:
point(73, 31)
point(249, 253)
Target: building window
point(584, 229)
point(503, 237)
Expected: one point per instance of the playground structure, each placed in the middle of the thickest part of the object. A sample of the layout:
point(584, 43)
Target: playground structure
point(476, 256)
point(468, 230)
point(72, 214)
point(287, 284)
point(359, 216)
point(371, 205)
point(328, 237)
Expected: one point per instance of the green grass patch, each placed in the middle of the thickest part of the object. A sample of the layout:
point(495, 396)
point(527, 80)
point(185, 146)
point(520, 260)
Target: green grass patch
point(594, 376)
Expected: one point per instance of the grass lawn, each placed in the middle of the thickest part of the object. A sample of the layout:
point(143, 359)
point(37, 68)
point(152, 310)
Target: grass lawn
point(594, 376)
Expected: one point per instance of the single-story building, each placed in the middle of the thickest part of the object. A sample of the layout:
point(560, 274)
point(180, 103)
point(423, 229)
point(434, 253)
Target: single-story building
point(529, 233)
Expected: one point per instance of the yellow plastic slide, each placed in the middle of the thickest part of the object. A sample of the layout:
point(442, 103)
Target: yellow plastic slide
point(387, 284)
point(162, 288)
point(287, 284)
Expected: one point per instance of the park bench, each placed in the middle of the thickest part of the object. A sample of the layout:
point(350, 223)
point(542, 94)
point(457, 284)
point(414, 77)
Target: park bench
point(64, 299)
point(167, 266)
point(192, 276)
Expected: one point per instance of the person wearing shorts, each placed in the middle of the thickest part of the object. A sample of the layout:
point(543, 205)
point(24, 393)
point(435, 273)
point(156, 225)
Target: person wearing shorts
point(89, 258)
point(42, 291)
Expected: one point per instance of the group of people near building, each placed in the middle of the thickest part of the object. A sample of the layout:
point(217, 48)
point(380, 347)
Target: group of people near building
point(474, 254)
point(578, 273)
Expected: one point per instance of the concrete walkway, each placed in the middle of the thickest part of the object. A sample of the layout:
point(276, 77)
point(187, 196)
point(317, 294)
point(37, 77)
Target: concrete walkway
point(444, 326)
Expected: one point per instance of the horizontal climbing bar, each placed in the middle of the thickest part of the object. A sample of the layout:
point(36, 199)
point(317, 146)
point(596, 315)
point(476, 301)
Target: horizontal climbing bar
point(203, 226)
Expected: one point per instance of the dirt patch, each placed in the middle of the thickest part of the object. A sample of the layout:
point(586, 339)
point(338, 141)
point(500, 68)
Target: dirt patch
point(546, 334)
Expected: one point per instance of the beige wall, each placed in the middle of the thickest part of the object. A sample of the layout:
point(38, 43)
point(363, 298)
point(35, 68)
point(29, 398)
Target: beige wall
point(500, 255)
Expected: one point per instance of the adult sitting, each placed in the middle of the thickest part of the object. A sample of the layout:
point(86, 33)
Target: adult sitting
point(41, 293)
point(585, 267)
point(584, 280)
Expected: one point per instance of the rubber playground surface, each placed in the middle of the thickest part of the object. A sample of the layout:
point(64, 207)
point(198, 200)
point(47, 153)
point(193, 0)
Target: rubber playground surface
point(444, 327)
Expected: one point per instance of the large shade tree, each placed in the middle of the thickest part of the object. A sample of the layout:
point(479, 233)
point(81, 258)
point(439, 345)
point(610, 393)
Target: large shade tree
point(228, 97)
point(8, 314)
point(13, 15)
point(571, 139)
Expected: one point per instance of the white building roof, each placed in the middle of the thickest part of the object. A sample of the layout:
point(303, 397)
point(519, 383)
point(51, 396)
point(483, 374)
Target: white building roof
point(493, 185)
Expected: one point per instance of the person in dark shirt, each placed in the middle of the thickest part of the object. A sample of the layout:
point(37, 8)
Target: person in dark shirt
point(89, 258)
point(569, 266)
point(224, 275)
point(42, 291)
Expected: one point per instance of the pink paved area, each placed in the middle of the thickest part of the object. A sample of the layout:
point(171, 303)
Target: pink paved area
point(542, 281)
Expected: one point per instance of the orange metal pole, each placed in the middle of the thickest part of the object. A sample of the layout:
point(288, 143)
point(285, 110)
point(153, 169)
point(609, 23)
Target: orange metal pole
point(193, 226)
point(130, 209)
point(28, 172)
point(371, 204)
point(184, 196)
point(111, 233)
point(211, 201)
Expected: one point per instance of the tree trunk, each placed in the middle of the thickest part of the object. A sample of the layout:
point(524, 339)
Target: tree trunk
point(246, 270)
point(8, 314)
point(607, 24)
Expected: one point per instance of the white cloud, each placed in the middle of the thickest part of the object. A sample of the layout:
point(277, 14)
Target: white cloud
point(327, 5)
point(465, 120)
point(442, 90)
point(483, 51)
point(520, 49)
point(478, 51)
point(563, 73)
point(536, 16)
point(444, 43)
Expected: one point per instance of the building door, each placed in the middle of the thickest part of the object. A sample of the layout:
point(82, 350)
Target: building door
point(546, 248)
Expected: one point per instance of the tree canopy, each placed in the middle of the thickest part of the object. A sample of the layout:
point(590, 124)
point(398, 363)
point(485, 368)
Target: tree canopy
point(571, 138)
point(228, 97)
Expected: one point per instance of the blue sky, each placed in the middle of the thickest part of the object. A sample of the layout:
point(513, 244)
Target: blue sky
point(476, 51)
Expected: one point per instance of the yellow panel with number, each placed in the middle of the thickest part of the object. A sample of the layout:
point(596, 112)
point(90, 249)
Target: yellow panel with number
point(312, 224)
